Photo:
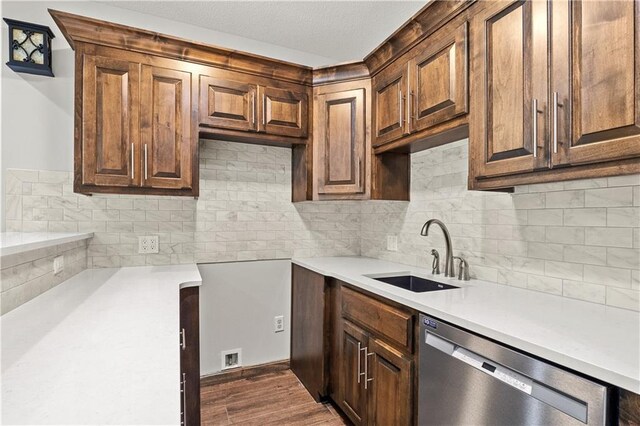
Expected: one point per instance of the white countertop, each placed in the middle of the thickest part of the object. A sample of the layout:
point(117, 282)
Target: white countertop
point(19, 242)
point(597, 340)
point(100, 348)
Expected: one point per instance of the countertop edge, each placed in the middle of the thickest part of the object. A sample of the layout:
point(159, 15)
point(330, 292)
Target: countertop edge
point(595, 371)
point(44, 243)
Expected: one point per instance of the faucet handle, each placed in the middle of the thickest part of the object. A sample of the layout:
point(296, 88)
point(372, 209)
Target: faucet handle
point(435, 266)
point(463, 268)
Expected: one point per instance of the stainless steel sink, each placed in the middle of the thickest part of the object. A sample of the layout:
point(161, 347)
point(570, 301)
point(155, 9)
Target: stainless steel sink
point(415, 284)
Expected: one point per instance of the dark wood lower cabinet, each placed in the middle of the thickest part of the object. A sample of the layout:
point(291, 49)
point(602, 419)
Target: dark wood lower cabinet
point(347, 355)
point(308, 322)
point(189, 356)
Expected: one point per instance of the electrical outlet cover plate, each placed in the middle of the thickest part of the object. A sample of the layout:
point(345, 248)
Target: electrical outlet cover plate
point(58, 265)
point(148, 244)
point(278, 323)
point(392, 242)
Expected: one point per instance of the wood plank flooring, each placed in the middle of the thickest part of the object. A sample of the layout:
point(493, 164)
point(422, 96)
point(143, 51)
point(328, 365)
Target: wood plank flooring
point(274, 398)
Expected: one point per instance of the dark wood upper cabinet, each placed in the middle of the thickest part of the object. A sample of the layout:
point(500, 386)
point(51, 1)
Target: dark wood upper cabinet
point(341, 143)
point(510, 52)
point(228, 104)
point(110, 139)
point(283, 112)
point(438, 79)
point(389, 106)
point(595, 51)
point(165, 127)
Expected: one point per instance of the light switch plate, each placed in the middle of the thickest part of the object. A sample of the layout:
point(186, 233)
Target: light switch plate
point(58, 265)
point(148, 244)
point(392, 242)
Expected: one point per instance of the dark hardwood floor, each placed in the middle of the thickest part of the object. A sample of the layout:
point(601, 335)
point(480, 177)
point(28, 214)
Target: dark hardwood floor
point(274, 398)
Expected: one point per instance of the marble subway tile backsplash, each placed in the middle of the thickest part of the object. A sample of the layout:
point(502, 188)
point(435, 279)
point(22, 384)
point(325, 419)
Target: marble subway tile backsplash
point(244, 212)
point(24, 276)
point(579, 239)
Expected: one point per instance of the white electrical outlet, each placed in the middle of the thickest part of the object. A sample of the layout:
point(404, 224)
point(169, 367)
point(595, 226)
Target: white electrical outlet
point(392, 242)
point(278, 323)
point(148, 244)
point(58, 265)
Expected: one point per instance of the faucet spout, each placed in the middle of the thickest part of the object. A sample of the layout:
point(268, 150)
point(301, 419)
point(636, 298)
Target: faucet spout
point(449, 270)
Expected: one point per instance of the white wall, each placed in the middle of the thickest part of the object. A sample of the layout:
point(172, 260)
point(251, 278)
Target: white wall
point(238, 302)
point(37, 112)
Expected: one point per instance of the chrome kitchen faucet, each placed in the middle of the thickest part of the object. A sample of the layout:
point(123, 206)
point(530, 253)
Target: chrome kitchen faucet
point(449, 270)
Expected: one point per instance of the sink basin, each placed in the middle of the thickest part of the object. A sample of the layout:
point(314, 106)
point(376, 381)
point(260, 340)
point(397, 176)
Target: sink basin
point(415, 284)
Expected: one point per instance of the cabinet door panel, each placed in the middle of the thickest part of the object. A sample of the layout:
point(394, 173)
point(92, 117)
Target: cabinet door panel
point(353, 396)
point(510, 49)
point(190, 355)
point(341, 143)
point(595, 57)
point(439, 78)
point(109, 121)
point(389, 95)
point(390, 393)
point(165, 127)
point(227, 104)
point(283, 112)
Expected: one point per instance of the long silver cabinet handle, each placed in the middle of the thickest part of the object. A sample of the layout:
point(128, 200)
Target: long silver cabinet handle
point(133, 162)
point(183, 339)
point(555, 122)
point(145, 162)
point(400, 107)
point(184, 398)
point(534, 124)
point(360, 349)
point(367, 379)
point(253, 114)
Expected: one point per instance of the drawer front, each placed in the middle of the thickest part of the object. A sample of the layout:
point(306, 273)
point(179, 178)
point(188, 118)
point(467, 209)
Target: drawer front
point(393, 324)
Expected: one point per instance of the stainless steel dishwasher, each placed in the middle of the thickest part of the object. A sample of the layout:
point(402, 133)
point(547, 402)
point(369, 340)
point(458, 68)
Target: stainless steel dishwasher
point(465, 379)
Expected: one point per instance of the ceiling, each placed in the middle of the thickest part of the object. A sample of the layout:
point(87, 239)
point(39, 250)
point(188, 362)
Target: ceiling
point(339, 30)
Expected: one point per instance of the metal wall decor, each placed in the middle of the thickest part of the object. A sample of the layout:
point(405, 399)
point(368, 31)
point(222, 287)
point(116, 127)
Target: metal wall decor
point(29, 47)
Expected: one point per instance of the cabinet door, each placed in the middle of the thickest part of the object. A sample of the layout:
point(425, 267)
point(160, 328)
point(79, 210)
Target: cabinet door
point(283, 112)
point(389, 96)
point(339, 163)
point(390, 388)
point(309, 326)
point(507, 134)
point(438, 78)
point(227, 104)
point(352, 393)
point(595, 55)
point(165, 127)
point(190, 355)
point(110, 114)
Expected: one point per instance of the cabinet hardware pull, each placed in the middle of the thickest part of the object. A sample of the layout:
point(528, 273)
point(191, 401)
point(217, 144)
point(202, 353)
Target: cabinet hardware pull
point(133, 162)
point(145, 162)
point(264, 109)
point(366, 367)
point(400, 107)
point(410, 106)
point(184, 398)
point(183, 339)
point(534, 117)
point(358, 172)
point(360, 349)
point(556, 104)
point(253, 114)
